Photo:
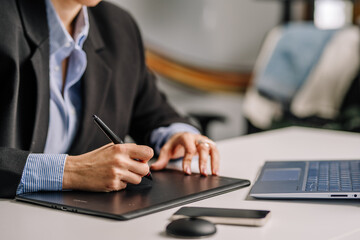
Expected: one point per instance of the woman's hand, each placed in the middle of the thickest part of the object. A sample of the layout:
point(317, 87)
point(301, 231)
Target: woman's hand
point(108, 168)
point(187, 145)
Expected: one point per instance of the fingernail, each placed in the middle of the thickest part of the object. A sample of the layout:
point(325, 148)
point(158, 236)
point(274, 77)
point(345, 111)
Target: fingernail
point(187, 170)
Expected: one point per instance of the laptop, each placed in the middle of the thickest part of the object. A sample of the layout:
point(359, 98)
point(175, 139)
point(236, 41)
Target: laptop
point(337, 179)
point(169, 189)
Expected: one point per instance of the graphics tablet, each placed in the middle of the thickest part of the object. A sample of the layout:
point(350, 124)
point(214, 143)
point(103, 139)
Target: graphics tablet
point(170, 189)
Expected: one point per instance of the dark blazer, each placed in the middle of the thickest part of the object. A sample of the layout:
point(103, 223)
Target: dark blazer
point(117, 85)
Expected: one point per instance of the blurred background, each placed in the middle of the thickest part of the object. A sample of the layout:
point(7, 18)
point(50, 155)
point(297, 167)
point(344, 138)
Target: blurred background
point(209, 54)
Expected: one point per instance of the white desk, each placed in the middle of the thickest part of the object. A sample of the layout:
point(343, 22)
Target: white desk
point(242, 158)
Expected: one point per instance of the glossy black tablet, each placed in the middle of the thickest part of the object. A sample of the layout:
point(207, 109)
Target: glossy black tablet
point(169, 189)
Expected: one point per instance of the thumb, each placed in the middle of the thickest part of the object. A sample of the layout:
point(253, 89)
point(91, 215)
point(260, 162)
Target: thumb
point(163, 159)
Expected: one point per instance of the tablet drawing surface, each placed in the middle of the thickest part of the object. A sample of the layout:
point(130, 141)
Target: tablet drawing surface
point(170, 189)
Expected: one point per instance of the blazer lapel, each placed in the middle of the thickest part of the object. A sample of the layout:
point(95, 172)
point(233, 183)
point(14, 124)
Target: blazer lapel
point(41, 68)
point(36, 29)
point(95, 85)
point(95, 82)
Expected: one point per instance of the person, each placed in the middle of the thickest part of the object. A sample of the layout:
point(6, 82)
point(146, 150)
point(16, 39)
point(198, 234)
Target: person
point(63, 61)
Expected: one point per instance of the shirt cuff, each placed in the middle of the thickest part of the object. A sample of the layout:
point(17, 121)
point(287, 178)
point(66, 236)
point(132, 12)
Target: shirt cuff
point(42, 172)
point(161, 135)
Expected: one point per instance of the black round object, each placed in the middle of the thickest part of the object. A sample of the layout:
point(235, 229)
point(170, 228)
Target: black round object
point(190, 227)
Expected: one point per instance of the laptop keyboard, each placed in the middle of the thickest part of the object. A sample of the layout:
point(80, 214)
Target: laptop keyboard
point(333, 176)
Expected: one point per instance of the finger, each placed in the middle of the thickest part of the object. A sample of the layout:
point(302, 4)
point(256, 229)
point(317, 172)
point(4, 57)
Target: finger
point(114, 185)
point(163, 159)
point(140, 152)
point(188, 143)
point(203, 150)
point(137, 167)
point(122, 162)
point(131, 177)
point(187, 162)
point(121, 185)
point(215, 160)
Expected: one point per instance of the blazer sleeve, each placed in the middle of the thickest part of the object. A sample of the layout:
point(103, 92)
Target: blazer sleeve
point(12, 160)
point(12, 163)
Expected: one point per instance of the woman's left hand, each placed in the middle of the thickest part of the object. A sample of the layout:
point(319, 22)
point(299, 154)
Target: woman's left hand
point(188, 145)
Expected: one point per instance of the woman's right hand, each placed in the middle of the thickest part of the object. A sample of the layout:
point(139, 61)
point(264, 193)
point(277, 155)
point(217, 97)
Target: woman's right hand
point(108, 168)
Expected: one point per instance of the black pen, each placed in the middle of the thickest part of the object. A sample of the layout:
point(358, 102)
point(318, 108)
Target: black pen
point(111, 135)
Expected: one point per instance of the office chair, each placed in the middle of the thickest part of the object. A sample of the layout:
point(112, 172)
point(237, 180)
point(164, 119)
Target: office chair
point(205, 119)
point(306, 76)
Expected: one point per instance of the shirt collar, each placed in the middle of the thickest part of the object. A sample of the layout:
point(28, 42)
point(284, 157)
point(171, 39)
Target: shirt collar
point(59, 37)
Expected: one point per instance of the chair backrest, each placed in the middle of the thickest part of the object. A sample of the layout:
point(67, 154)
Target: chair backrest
point(302, 78)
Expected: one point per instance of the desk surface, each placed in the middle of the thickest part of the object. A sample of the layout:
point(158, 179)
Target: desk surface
point(240, 157)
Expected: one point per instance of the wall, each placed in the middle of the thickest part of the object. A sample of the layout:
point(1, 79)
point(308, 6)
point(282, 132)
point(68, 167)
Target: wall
point(211, 34)
point(220, 34)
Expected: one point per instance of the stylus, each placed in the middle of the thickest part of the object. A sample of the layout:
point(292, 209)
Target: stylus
point(111, 135)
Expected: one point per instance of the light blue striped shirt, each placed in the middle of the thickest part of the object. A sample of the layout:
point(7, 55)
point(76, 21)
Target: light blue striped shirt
point(45, 171)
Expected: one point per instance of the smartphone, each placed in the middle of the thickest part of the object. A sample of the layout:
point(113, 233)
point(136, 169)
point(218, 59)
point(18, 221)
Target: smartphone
point(247, 217)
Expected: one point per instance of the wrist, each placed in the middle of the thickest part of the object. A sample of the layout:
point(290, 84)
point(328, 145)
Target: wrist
point(69, 173)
